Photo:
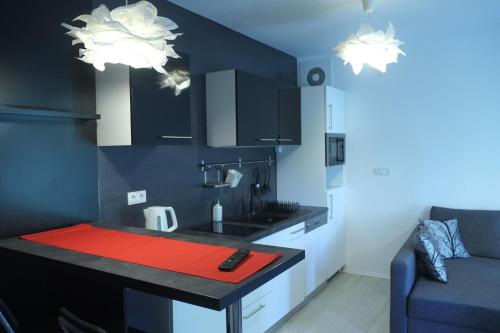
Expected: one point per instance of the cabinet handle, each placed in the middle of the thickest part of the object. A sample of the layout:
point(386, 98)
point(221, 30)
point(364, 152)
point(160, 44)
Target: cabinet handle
point(330, 114)
point(175, 137)
point(331, 206)
point(297, 231)
point(260, 307)
point(286, 140)
point(273, 140)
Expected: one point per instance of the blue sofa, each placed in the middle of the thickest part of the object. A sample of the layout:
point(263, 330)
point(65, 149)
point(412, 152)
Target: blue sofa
point(470, 301)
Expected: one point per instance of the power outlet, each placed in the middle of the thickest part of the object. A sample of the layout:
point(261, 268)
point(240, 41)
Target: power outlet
point(137, 197)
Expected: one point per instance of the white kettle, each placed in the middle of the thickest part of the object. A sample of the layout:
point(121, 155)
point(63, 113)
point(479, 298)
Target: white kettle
point(156, 218)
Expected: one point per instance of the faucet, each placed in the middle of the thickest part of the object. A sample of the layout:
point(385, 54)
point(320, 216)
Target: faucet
point(254, 189)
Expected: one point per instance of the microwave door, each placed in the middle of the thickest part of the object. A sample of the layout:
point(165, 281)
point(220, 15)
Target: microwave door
point(331, 151)
point(340, 151)
point(335, 149)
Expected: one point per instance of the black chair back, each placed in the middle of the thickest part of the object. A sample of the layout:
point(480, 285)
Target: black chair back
point(8, 322)
point(72, 324)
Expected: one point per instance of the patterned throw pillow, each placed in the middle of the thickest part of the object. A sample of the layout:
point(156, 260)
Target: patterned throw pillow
point(431, 260)
point(447, 237)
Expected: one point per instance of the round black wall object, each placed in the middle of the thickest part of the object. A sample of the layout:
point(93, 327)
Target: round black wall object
point(316, 76)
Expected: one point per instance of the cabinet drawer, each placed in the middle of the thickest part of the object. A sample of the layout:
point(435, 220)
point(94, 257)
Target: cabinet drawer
point(259, 316)
point(257, 293)
point(290, 237)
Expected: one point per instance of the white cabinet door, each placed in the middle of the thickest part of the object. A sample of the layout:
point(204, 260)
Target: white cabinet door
point(191, 318)
point(288, 288)
point(334, 110)
point(337, 228)
point(149, 313)
point(318, 263)
point(258, 316)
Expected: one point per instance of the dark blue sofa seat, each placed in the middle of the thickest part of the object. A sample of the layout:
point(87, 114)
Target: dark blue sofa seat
point(470, 302)
point(470, 299)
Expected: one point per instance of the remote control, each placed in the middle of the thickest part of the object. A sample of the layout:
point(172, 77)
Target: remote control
point(234, 259)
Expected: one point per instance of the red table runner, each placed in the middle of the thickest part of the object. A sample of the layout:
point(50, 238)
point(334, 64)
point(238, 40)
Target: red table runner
point(157, 252)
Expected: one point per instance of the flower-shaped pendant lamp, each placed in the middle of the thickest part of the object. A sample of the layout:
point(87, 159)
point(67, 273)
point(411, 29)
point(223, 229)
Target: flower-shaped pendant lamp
point(376, 49)
point(132, 35)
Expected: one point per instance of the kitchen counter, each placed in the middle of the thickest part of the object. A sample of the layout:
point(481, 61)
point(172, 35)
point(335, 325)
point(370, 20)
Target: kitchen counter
point(305, 213)
point(195, 290)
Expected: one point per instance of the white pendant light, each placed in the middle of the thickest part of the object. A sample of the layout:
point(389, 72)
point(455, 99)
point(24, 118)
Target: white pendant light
point(368, 6)
point(177, 80)
point(132, 35)
point(376, 49)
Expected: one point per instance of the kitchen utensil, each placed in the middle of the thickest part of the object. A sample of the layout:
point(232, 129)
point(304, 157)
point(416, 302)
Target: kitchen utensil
point(266, 187)
point(156, 218)
point(256, 186)
point(275, 206)
point(233, 177)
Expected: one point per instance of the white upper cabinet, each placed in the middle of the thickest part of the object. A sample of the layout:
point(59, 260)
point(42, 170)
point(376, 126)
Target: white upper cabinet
point(136, 110)
point(334, 110)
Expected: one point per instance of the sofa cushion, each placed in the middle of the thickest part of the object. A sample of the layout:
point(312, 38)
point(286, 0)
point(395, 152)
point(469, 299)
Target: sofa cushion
point(429, 256)
point(471, 298)
point(447, 236)
point(480, 229)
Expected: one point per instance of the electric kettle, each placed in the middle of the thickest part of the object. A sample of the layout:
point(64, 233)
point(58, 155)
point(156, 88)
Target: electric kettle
point(156, 218)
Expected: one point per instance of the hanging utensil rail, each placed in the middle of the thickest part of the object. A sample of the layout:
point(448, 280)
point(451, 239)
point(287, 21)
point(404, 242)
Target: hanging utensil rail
point(219, 166)
point(206, 166)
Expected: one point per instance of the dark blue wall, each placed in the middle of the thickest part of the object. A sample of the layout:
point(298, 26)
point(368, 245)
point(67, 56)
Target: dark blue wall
point(170, 173)
point(48, 166)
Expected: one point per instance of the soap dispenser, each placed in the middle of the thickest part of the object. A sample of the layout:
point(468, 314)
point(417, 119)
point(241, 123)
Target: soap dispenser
point(217, 217)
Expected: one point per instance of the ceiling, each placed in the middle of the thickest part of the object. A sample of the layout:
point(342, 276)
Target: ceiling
point(305, 28)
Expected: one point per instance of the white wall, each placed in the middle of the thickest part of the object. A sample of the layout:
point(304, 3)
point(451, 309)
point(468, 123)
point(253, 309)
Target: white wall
point(434, 119)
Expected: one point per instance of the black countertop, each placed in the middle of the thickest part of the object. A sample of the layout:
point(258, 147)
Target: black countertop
point(195, 290)
point(305, 213)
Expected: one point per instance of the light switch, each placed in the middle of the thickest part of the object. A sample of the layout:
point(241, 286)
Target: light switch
point(381, 171)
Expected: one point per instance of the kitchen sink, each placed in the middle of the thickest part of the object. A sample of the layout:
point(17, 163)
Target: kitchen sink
point(229, 229)
point(260, 218)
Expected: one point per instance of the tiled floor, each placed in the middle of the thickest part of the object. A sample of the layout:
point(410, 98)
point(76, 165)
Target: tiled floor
point(348, 304)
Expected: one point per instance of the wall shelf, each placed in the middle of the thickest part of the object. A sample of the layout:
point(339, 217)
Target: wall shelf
point(26, 111)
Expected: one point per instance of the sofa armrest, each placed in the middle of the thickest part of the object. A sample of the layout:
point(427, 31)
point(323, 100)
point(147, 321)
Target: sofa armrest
point(403, 275)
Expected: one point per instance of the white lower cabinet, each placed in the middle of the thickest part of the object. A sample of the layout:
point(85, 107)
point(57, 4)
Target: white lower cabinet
point(259, 315)
point(317, 255)
point(337, 229)
point(264, 306)
point(149, 313)
point(289, 286)
point(191, 319)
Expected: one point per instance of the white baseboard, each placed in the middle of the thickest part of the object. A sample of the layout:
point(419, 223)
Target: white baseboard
point(365, 273)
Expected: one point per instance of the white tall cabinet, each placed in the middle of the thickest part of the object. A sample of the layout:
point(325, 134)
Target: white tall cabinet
point(302, 176)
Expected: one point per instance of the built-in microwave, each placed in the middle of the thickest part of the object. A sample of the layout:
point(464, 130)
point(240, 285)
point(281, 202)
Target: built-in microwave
point(335, 149)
